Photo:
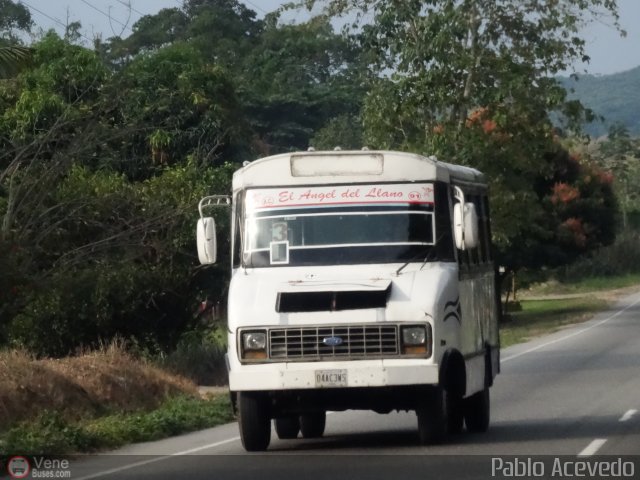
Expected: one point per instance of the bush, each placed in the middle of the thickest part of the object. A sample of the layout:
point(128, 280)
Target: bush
point(199, 356)
point(621, 258)
point(120, 263)
point(53, 434)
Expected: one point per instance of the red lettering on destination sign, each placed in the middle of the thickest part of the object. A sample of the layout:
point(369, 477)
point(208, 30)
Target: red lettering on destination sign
point(340, 195)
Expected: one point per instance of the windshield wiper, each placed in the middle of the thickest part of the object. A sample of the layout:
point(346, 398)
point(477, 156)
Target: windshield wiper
point(411, 260)
point(430, 254)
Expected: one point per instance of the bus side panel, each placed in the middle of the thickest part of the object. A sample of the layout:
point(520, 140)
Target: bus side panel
point(479, 324)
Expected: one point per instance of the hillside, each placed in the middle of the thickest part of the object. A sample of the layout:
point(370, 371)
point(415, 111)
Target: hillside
point(616, 97)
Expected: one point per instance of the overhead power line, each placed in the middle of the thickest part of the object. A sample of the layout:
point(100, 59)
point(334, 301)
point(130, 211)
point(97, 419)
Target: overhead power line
point(256, 6)
point(53, 19)
point(124, 25)
point(129, 5)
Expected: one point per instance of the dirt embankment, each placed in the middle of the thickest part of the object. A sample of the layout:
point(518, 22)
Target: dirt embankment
point(87, 385)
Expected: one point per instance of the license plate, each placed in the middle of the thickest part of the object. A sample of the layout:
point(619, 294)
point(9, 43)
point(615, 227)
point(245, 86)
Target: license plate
point(331, 378)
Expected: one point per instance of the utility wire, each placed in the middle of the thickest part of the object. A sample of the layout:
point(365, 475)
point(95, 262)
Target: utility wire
point(53, 19)
point(180, 4)
point(128, 4)
point(256, 6)
point(106, 15)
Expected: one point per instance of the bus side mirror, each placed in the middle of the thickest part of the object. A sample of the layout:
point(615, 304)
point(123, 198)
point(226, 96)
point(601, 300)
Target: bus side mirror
point(206, 238)
point(465, 226)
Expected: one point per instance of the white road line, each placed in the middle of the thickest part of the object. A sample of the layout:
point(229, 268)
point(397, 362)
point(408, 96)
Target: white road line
point(157, 459)
point(574, 334)
point(627, 416)
point(161, 458)
point(593, 447)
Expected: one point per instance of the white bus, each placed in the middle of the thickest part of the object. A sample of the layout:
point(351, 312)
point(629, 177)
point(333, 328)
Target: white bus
point(360, 280)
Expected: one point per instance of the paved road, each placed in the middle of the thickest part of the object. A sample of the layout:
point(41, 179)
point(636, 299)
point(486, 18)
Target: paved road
point(575, 394)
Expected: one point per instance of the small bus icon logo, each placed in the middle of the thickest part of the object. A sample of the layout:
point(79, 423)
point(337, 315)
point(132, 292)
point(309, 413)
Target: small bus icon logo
point(18, 467)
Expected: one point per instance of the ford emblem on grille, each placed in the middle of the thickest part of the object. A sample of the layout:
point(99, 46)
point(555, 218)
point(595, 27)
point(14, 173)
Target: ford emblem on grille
point(332, 341)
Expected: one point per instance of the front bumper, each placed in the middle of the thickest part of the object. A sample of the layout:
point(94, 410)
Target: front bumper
point(360, 373)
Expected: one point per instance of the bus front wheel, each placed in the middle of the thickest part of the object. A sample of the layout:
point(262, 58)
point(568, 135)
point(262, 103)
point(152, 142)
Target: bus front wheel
point(254, 421)
point(477, 411)
point(455, 412)
point(432, 417)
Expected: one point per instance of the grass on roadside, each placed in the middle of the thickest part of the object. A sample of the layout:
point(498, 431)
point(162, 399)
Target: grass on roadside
point(586, 285)
point(52, 434)
point(539, 317)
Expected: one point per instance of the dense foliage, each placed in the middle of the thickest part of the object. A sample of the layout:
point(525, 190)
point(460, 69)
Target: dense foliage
point(104, 152)
point(473, 81)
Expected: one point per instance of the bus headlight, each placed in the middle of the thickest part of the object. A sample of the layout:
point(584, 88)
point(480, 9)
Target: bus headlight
point(254, 345)
point(415, 340)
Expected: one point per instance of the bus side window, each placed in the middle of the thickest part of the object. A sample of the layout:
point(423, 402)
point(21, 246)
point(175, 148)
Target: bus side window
point(485, 231)
point(481, 202)
point(488, 228)
point(474, 253)
point(481, 251)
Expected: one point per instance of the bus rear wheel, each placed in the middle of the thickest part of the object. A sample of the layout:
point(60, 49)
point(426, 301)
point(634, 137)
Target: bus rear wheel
point(254, 421)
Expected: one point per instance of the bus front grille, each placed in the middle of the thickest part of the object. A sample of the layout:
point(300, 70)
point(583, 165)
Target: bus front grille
point(331, 342)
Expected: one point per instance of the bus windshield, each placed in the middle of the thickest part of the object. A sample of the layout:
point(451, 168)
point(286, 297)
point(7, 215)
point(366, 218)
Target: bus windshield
point(333, 225)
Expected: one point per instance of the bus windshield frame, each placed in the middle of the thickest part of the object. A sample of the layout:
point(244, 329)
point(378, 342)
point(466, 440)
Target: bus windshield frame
point(338, 225)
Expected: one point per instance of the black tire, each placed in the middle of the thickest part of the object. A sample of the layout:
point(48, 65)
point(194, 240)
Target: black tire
point(312, 424)
point(254, 421)
point(477, 411)
point(287, 427)
point(455, 413)
point(432, 417)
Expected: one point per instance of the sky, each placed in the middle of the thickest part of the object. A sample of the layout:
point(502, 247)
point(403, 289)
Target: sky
point(608, 51)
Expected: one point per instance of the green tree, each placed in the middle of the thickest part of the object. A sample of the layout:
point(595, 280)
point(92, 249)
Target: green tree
point(472, 81)
point(45, 125)
point(223, 31)
point(89, 249)
point(290, 80)
point(45, 114)
point(149, 33)
point(177, 105)
point(620, 154)
point(14, 18)
point(344, 131)
point(120, 263)
point(297, 80)
point(580, 210)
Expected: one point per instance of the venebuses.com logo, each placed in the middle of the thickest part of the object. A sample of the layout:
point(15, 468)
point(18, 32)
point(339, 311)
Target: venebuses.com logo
point(19, 466)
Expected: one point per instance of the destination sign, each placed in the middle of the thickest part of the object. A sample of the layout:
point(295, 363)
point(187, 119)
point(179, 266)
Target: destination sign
point(405, 193)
